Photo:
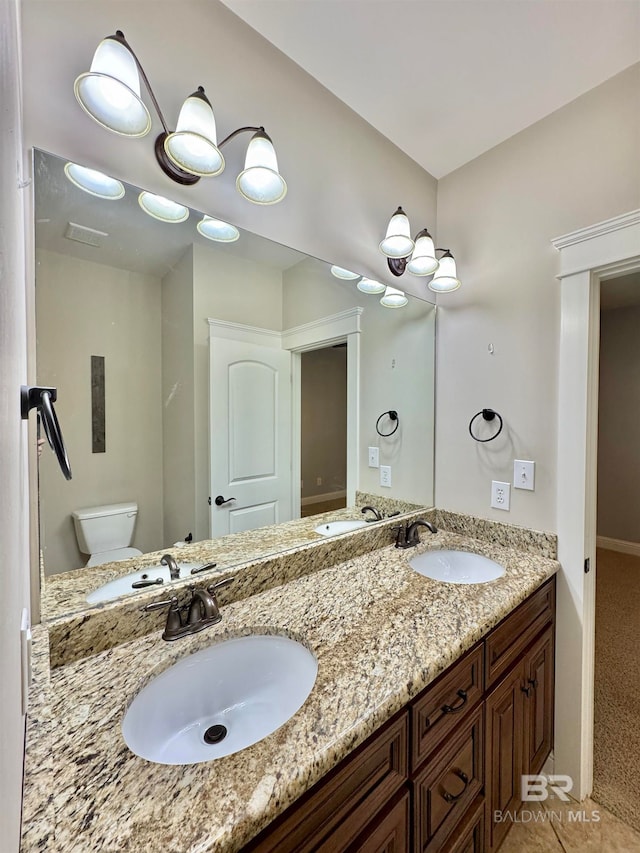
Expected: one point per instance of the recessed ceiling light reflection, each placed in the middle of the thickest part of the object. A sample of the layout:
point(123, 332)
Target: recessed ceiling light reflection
point(345, 275)
point(393, 298)
point(93, 182)
point(368, 285)
point(162, 208)
point(216, 229)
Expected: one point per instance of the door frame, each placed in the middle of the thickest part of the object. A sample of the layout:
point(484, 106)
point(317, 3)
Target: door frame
point(588, 256)
point(318, 334)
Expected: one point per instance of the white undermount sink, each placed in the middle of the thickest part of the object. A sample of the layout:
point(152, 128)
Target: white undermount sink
point(456, 567)
point(124, 585)
point(220, 700)
point(333, 528)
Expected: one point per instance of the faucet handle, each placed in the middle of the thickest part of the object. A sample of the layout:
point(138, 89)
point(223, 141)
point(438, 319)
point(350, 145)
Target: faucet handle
point(219, 584)
point(157, 605)
point(401, 536)
point(204, 568)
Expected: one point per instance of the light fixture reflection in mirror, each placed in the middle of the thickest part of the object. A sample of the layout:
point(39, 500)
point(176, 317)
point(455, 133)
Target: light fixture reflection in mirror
point(162, 208)
point(93, 182)
point(216, 229)
point(368, 285)
point(345, 275)
point(394, 298)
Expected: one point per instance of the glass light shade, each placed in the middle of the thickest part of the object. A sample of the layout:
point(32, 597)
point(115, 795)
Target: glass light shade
point(445, 279)
point(110, 91)
point(423, 260)
point(345, 275)
point(193, 146)
point(260, 181)
point(398, 242)
point(162, 208)
point(368, 285)
point(93, 182)
point(216, 229)
point(393, 298)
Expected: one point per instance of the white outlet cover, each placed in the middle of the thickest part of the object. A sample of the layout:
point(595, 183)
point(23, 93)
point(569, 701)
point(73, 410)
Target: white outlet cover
point(500, 495)
point(374, 457)
point(385, 476)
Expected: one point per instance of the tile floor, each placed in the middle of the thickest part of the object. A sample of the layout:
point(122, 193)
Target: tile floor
point(556, 830)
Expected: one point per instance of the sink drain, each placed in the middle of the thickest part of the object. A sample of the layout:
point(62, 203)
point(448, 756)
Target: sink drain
point(214, 734)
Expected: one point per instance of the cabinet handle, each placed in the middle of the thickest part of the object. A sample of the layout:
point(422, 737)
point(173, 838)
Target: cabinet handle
point(453, 709)
point(453, 798)
point(527, 690)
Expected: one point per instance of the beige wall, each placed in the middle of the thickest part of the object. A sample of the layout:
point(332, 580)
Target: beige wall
point(619, 425)
point(14, 493)
point(396, 372)
point(576, 167)
point(85, 309)
point(178, 406)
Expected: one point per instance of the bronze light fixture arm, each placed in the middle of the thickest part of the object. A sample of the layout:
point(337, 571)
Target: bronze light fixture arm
point(239, 131)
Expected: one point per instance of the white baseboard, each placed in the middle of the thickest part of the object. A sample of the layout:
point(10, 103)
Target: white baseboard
point(328, 496)
point(620, 545)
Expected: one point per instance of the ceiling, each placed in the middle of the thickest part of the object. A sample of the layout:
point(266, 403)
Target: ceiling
point(446, 80)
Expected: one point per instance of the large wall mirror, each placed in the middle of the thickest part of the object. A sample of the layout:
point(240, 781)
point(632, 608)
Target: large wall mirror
point(134, 317)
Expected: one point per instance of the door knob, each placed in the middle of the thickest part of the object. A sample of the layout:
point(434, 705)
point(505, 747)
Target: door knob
point(220, 501)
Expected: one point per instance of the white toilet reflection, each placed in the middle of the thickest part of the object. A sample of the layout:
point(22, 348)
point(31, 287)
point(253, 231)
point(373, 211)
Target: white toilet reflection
point(106, 532)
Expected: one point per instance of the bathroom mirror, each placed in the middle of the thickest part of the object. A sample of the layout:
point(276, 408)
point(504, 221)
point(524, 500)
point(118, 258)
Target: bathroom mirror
point(123, 303)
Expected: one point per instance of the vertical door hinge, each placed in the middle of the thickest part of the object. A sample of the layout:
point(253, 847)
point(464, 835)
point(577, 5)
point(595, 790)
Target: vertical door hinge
point(587, 566)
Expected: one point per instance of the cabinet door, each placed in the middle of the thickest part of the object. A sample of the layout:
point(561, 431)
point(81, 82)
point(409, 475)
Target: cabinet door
point(388, 833)
point(538, 702)
point(504, 721)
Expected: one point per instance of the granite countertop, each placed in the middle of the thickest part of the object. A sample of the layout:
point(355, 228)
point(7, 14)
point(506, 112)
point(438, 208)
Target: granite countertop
point(380, 632)
point(66, 592)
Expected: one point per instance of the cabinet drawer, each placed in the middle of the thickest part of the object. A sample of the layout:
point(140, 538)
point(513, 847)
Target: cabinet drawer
point(507, 642)
point(359, 787)
point(448, 785)
point(444, 704)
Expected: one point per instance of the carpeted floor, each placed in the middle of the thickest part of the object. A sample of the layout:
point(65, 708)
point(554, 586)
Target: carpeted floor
point(617, 685)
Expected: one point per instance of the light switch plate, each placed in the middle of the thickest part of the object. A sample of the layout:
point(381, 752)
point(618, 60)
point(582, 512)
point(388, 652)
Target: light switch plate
point(385, 475)
point(374, 457)
point(524, 474)
point(500, 495)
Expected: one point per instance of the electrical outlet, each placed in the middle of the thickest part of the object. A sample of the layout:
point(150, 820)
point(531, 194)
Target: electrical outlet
point(500, 495)
point(524, 474)
point(385, 476)
point(374, 457)
point(318, 481)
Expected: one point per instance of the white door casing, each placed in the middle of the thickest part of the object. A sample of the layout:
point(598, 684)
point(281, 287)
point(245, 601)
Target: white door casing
point(588, 256)
point(249, 427)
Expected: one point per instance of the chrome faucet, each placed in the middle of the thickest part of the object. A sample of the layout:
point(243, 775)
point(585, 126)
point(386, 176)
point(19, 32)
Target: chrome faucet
point(201, 611)
point(408, 537)
point(174, 570)
point(376, 513)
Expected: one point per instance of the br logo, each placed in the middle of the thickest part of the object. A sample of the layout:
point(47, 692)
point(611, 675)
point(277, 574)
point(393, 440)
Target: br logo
point(536, 789)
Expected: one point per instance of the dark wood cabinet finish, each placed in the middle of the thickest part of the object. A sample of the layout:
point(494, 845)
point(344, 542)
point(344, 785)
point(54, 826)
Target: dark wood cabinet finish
point(346, 799)
point(447, 785)
point(439, 711)
point(432, 778)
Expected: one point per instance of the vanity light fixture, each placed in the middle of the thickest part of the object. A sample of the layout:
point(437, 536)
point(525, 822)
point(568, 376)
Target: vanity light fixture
point(393, 298)
point(368, 285)
point(419, 255)
point(345, 275)
point(162, 208)
point(216, 229)
point(93, 182)
point(110, 93)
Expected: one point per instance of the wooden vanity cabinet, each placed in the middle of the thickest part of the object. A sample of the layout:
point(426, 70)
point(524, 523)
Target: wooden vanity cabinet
point(430, 780)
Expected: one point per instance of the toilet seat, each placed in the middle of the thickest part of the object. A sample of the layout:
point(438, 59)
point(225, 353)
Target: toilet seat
point(112, 556)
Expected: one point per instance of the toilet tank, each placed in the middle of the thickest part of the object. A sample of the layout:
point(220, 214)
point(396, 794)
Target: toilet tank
point(106, 527)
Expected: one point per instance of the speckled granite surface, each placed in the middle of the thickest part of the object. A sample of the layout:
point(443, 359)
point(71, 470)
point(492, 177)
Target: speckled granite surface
point(106, 625)
point(380, 633)
point(66, 592)
point(509, 535)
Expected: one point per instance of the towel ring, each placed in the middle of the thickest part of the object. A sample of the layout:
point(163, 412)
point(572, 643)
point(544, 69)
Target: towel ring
point(488, 415)
point(393, 416)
